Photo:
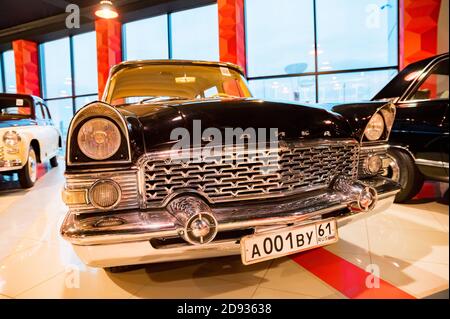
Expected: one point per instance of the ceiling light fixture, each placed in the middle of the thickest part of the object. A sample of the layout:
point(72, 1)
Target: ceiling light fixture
point(106, 10)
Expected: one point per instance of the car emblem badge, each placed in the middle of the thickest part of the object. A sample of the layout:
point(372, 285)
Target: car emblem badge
point(305, 133)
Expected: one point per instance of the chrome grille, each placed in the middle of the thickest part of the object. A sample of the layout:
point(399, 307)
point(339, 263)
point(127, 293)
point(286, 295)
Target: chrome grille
point(238, 175)
point(127, 181)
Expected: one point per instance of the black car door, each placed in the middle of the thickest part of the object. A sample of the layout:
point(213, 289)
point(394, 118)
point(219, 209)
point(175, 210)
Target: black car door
point(422, 121)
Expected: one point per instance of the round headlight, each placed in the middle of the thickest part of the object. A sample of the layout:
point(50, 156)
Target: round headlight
point(375, 127)
point(11, 138)
point(105, 194)
point(99, 139)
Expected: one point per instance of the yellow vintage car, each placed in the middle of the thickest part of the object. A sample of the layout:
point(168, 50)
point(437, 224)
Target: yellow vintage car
point(27, 136)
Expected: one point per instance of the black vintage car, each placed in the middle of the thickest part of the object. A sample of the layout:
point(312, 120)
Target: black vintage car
point(178, 161)
point(419, 139)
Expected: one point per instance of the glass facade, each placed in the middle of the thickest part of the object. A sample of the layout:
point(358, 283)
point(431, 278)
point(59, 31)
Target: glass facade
point(9, 69)
point(280, 37)
point(295, 88)
point(195, 34)
point(366, 40)
point(153, 45)
point(189, 34)
point(297, 50)
point(83, 100)
point(353, 86)
point(85, 63)
point(301, 50)
point(61, 111)
point(68, 76)
point(55, 69)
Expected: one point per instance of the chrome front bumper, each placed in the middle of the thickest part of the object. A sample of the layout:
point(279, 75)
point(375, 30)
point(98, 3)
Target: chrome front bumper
point(10, 160)
point(10, 165)
point(100, 243)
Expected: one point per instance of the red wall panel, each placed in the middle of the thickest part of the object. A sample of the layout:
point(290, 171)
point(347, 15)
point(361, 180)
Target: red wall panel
point(27, 67)
point(109, 49)
point(418, 29)
point(232, 31)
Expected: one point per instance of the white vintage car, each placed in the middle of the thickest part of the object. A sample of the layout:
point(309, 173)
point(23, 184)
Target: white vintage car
point(27, 136)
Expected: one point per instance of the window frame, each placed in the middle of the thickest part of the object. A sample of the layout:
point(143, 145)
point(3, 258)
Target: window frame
point(316, 72)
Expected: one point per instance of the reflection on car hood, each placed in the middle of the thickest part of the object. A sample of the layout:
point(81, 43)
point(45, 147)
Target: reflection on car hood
point(156, 122)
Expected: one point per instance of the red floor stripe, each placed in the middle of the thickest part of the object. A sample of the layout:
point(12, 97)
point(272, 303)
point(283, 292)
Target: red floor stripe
point(429, 190)
point(345, 277)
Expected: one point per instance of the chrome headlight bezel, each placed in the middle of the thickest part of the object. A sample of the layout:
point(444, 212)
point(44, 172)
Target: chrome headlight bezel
point(104, 129)
point(375, 128)
point(74, 155)
point(384, 115)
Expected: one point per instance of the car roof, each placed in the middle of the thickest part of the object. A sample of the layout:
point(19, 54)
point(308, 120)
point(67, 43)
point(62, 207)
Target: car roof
point(21, 96)
point(398, 86)
point(137, 63)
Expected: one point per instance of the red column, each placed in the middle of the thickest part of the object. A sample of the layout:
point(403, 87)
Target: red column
point(232, 31)
point(27, 67)
point(418, 29)
point(109, 49)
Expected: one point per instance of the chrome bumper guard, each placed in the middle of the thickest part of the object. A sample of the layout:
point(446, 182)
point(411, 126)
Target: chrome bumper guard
point(135, 236)
point(118, 227)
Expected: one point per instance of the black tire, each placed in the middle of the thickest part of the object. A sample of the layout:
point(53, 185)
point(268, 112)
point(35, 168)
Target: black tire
point(28, 174)
point(409, 177)
point(54, 161)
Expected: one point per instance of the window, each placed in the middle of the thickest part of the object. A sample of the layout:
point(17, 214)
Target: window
point(83, 100)
point(61, 111)
point(195, 34)
point(354, 86)
point(39, 112)
point(435, 86)
point(68, 63)
point(46, 112)
point(146, 39)
point(9, 68)
point(301, 89)
point(85, 63)
point(321, 50)
point(55, 65)
point(355, 34)
point(280, 37)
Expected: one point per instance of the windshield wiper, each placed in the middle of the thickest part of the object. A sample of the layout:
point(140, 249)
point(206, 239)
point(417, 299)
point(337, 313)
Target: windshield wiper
point(162, 98)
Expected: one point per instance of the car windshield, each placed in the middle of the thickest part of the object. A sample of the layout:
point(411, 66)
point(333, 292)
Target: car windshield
point(165, 82)
point(14, 108)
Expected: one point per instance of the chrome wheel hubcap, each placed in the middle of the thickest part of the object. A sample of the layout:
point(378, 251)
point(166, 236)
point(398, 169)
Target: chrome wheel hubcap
point(32, 165)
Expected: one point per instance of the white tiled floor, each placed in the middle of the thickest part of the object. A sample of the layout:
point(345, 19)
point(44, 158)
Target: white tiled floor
point(409, 244)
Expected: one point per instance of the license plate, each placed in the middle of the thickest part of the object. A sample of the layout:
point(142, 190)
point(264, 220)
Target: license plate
point(286, 241)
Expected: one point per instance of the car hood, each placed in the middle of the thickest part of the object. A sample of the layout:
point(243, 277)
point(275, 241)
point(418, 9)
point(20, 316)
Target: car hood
point(155, 122)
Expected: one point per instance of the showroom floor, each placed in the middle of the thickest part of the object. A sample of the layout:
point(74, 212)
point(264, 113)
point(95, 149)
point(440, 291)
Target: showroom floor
point(405, 248)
